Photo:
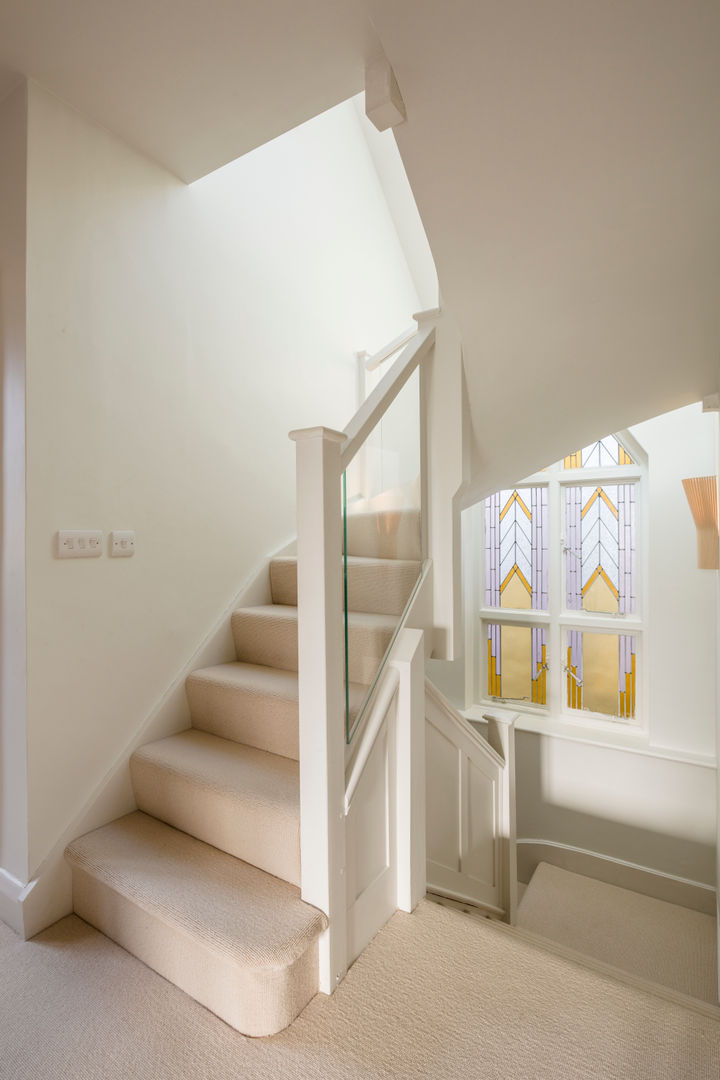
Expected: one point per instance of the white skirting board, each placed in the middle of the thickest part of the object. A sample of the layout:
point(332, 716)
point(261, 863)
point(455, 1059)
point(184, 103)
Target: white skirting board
point(640, 879)
point(11, 891)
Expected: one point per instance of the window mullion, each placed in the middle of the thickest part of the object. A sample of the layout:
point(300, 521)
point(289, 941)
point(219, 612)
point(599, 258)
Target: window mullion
point(556, 593)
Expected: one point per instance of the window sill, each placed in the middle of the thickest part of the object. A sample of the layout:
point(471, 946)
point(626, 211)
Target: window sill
point(602, 733)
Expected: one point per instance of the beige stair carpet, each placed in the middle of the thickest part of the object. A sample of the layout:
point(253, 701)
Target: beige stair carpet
point(252, 704)
point(239, 941)
point(382, 586)
point(436, 996)
point(241, 800)
point(268, 634)
point(247, 703)
point(662, 942)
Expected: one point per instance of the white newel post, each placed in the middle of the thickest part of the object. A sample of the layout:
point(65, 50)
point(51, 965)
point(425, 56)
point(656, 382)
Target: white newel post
point(409, 661)
point(320, 668)
point(501, 736)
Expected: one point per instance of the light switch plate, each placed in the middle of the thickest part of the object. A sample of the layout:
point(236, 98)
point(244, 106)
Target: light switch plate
point(79, 543)
point(122, 543)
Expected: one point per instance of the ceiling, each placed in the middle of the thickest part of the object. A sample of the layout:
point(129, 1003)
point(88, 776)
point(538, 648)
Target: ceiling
point(564, 156)
point(565, 159)
point(192, 85)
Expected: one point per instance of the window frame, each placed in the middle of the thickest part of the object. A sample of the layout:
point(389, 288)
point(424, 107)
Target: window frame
point(558, 620)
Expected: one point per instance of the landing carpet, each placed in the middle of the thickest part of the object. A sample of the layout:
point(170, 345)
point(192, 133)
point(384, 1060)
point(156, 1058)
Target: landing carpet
point(436, 995)
point(662, 942)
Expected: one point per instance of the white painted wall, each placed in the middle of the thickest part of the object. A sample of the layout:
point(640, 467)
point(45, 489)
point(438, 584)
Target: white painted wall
point(682, 600)
point(13, 770)
point(652, 811)
point(402, 206)
point(175, 336)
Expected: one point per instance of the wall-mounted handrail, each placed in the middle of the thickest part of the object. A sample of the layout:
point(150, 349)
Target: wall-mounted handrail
point(378, 402)
point(372, 363)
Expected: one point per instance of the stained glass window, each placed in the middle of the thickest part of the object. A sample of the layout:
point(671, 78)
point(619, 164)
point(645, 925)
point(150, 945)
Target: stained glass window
point(598, 455)
point(517, 663)
point(600, 548)
point(593, 518)
point(516, 564)
point(602, 673)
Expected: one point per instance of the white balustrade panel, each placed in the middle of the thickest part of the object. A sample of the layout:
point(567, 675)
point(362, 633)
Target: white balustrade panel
point(464, 796)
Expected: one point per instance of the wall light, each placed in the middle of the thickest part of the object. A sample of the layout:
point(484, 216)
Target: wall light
point(702, 495)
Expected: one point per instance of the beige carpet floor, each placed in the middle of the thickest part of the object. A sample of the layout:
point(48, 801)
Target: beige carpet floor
point(658, 941)
point(435, 995)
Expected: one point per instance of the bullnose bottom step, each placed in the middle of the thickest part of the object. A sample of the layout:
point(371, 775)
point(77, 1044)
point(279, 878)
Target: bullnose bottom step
point(236, 939)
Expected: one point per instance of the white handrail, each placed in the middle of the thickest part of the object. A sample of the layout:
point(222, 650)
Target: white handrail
point(380, 707)
point(445, 706)
point(377, 403)
point(373, 362)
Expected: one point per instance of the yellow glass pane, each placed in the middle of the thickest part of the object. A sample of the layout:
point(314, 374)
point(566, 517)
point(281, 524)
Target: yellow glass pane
point(515, 593)
point(599, 596)
point(516, 643)
point(600, 673)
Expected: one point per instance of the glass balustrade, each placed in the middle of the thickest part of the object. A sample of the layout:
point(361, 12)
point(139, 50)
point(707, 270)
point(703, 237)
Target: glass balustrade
point(382, 544)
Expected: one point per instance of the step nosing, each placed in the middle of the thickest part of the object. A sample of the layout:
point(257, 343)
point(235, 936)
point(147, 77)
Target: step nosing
point(246, 956)
point(137, 856)
point(237, 794)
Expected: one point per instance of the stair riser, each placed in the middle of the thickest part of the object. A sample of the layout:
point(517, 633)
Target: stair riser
point(390, 535)
point(264, 721)
point(258, 834)
point(254, 1002)
point(260, 640)
point(383, 589)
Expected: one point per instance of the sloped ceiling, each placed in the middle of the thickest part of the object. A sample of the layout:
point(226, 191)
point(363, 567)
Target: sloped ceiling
point(193, 84)
point(564, 156)
point(565, 159)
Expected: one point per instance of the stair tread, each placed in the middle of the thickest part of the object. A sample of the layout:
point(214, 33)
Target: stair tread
point(361, 560)
point(261, 679)
point(243, 773)
point(268, 634)
point(361, 619)
point(373, 584)
point(256, 920)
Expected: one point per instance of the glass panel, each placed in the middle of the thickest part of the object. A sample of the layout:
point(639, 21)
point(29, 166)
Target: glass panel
point(517, 663)
point(382, 548)
point(601, 673)
point(516, 563)
point(598, 455)
point(600, 548)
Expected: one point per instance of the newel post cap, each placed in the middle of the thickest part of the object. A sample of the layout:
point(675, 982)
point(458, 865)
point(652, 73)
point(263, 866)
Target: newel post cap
point(324, 433)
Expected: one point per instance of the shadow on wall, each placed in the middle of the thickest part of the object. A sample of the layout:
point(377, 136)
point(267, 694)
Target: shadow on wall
point(561, 788)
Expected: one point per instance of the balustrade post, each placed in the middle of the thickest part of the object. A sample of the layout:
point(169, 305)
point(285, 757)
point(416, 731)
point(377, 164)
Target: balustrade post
point(321, 664)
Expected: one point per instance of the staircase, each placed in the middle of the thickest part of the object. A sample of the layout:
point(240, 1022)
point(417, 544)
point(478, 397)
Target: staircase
point(202, 882)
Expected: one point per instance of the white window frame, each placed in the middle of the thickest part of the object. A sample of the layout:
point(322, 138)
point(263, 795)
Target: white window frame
point(558, 619)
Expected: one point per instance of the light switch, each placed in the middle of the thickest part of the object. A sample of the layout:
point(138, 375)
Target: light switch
point(79, 543)
point(122, 543)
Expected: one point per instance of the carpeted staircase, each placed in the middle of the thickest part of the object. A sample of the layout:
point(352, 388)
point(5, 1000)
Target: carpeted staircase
point(202, 882)
point(659, 942)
